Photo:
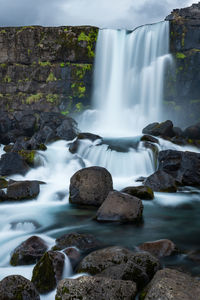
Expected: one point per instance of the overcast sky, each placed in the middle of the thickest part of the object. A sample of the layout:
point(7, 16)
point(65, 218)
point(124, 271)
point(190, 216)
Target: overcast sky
point(102, 13)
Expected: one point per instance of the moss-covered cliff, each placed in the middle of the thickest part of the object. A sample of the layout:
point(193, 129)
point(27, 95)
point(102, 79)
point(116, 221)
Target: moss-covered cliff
point(182, 89)
point(46, 68)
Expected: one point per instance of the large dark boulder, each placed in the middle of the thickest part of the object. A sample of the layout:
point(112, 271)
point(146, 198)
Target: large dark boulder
point(84, 242)
point(23, 190)
point(28, 252)
point(48, 271)
point(172, 284)
point(66, 131)
point(12, 163)
point(16, 287)
point(161, 181)
point(90, 186)
point(183, 166)
point(90, 288)
point(120, 207)
point(164, 129)
point(160, 248)
point(142, 192)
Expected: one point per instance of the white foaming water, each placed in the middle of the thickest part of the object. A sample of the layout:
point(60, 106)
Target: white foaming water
point(129, 75)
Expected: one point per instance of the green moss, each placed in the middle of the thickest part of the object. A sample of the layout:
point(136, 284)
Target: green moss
point(195, 101)
point(180, 55)
point(3, 65)
point(90, 39)
point(14, 259)
point(52, 98)
point(142, 295)
point(62, 65)
point(7, 79)
point(1, 95)
point(24, 28)
point(79, 107)
point(29, 52)
point(44, 63)
point(28, 156)
point(183, 40)
point(2, 31)
point(34, 98)
point(51, 77)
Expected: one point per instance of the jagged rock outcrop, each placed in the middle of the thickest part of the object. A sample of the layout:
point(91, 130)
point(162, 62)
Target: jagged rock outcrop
point(46, 68)
point(182, 87)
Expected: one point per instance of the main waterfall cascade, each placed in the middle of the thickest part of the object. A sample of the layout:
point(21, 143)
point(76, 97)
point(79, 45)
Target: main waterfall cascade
point(128, 89)
point(128, 80)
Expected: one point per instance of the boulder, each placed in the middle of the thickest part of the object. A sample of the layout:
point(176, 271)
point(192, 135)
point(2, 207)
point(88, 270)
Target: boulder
point(16, 287)
point(160, 248)
point(142, 192)
point(161, 181)
point(74, 256)
point(172, 284)
point(66, 131)
point(90, 186)
point(3, 196)
point(127, 271)
point(90, 288)
point(164, 129)
point(183, 166)
point(84, 242)
point(48, 271)
point(100, 260)
point(120, 207)
point(192, 132)
point(194, 255)
point(23, 190)
point(3, 183)
point(12, 163)
point(28, 252)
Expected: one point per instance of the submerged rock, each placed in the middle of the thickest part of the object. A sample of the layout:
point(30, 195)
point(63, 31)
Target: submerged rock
point(161, 181)
point(159, 248)
point(48, 271)
point(90, 288)
point(84, 242)
point(172, 284)
point(28, 252)
point(120, 207)
point(142, 192)
point(23, 190)
point(90, 186)
point(16, 287)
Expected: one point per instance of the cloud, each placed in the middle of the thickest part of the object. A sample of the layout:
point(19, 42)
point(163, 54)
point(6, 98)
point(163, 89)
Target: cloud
point(101, 13)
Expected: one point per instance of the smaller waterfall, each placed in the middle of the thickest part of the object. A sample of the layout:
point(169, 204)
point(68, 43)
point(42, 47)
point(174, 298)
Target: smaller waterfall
point(129, 76)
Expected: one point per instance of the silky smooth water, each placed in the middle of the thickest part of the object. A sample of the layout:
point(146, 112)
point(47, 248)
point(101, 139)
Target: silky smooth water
point(128, 80)
point(128, 87)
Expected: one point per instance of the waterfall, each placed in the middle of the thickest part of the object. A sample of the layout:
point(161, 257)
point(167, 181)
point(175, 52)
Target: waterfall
point(128, 79)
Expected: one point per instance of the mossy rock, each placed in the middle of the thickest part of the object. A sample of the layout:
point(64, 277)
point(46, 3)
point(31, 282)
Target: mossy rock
point(142, 192)
point(48, 271)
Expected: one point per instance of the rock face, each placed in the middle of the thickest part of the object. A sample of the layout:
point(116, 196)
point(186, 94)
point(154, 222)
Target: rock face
point(171, 284)
point(48, 271)
point(46, 68)
point(28, 252)
point(90, 288)
point(17, 287)
point(182, 88)
point(90, 186)
point(183, 166)
point(120, 207)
